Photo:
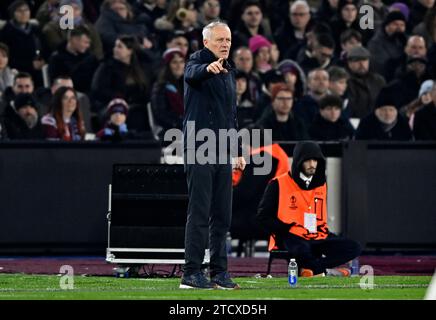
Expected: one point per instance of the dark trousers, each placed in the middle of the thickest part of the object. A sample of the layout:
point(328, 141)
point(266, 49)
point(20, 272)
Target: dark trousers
point(318, 255)
point(209, 216)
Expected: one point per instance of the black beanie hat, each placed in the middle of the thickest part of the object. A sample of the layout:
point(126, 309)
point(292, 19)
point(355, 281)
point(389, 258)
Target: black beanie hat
point(23, 100)
point(393, 16)
point(386, 97)
point(343, 3)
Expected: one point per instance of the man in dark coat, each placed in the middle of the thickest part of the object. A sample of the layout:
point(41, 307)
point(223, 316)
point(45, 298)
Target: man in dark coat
point(384, 123)
point(210, 103)
point(328, 124)
point(21, 120)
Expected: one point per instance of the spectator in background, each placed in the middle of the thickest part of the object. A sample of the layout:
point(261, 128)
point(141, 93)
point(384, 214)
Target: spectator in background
point(284, 125)
point(65, 121)
point(363, 85)
point(115, 129)
point(55, 36)
point(307, 107)
point(349, 39)
point(45, 95)
point(182, 16)
point(150, 10)
point(250, 24)
point(246, 109)
point(167, 93)
point(23, 40)
point(327, 10)
point(321, 55)
point(121, 76)
point(418, 11)
point(294, 77)
point(345, 19)
point(47, 12)
point(328, 124)
point(117, 19)
point(22, 121)
point(75, 60)
point(424, 125)
point(243, 59)
point(388, 42)
point(424, 98)
point(427, 28)
point(338, 86)
point(209, 11)
point(415, 47)
point(178, 39)
point(290, 37)
point(312, 33)
point(410, 82)
point(264, 106)
point(384, 123)
point(23, 83)
point(6, 73)
point(261, 50)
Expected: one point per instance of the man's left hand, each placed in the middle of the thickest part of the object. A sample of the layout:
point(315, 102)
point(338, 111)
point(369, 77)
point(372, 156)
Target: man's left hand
point(240, 163)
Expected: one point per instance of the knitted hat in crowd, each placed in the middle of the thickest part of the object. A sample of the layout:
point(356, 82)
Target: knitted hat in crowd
point(78, 3)
point(394, 16)
point(343, 3)
point(426, 87)
point(24, 100)
point(256, 42)
point(287, 65)
point(169, 54)
point(272, 76)
point(117, 105)
point(276, 88)
point(403, 8)
point(387, 97)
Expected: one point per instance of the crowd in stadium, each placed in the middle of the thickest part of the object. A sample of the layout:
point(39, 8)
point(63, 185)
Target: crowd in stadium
point(305, 69)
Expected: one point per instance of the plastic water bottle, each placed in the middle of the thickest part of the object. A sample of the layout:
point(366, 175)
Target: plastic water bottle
point(292, 273)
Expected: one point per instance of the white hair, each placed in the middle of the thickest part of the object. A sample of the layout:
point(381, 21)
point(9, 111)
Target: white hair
point(207, 30)
point(300, 3)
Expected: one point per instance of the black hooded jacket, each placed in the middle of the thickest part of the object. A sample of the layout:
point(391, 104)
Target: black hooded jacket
point(268, 207)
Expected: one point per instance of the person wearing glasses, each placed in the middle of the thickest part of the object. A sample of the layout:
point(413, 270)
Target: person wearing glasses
point(284, 125)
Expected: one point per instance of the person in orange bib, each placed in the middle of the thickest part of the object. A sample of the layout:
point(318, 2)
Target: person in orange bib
point(293, 210)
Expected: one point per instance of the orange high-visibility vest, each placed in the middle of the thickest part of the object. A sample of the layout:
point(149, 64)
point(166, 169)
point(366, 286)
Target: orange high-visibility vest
point(276, 152)
point(294, 202)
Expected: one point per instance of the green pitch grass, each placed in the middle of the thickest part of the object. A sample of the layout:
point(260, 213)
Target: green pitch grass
point(40, 287)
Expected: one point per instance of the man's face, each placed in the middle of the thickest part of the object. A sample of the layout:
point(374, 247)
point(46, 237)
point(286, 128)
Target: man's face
point(338, 87)
point(59, 83)
point(22, 14)
point(350, 44)
point(359, 67)
point(331, 113)
point(386, 114)
point(283, 103)
point(244, 60)
point(220, 41)
point(309, 167)
point(241, 85)
point(211, 9)
point(181, 43)
point(300, 17)
point(322, 54)
point(252, 16)
point(23, 85)
point(29, 115)
point(416, 47)
point(81, 44)
point(397, 26)
point(319, 82)
point(349, 13)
